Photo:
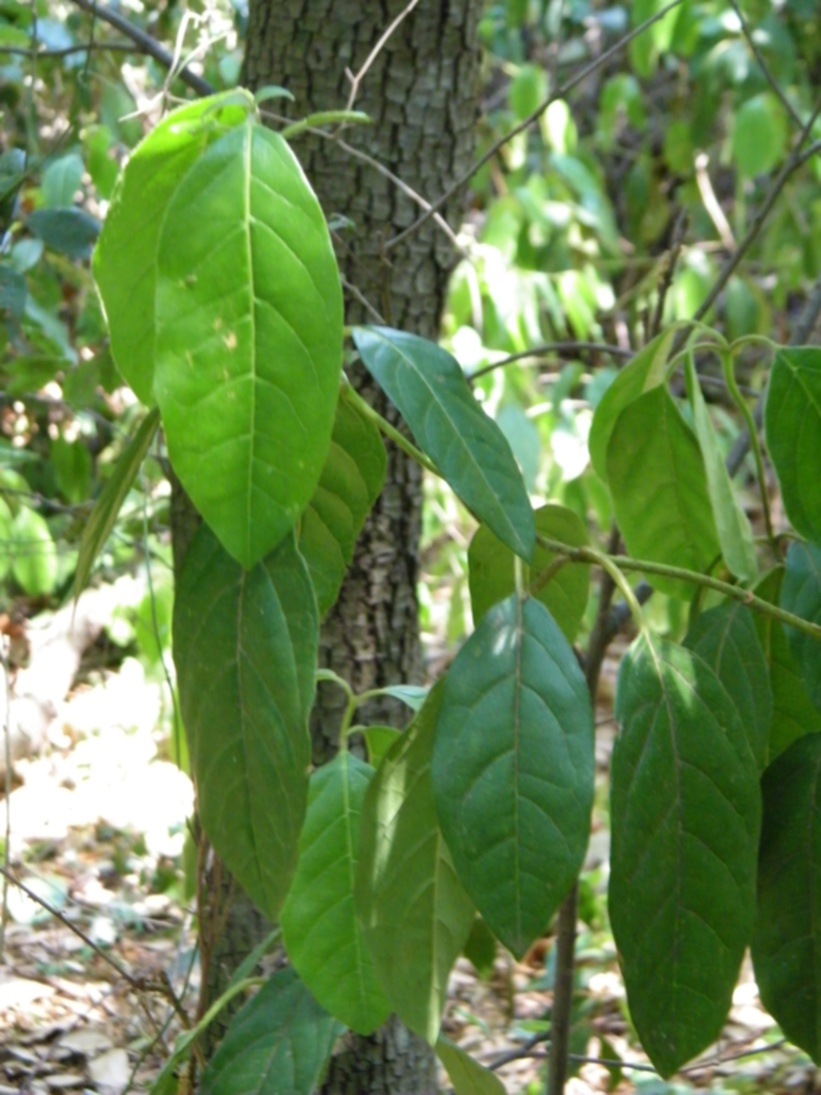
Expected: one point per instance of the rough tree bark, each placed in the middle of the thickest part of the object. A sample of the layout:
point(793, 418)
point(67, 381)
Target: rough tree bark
point(420, 91)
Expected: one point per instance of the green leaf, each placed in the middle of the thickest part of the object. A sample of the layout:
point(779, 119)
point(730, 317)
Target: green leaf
point(492, 570)
point(760, 135)
point(249, 338)
point(279, 1044)
point(378, 739)
point(685, 810)
point(245, 647)
point(792, 418)
point(6, 521)
point(428, 386)
point(734, 532)
point(726, 639)
point(322, 933)
point(465, 1073)
point(794, 713)
point(787, 940)
point(659, 487)
point(801, 595)
point(71, 461)
point(513, 768)
point(349, 484)
point(481, 948)
point(125, 259)
point(645, 371)
point(414, 911)
point(61, 180)
point(33, 553)
point(412, 695)
point(70, 231)
point(99, 525)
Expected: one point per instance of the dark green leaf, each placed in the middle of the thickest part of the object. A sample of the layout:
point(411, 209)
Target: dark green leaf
point(414, 911)
point(351, 480)
point(13, 291)
point(792, 416)
point(492, 570)
point(481, 948)
point(428, 386)
point(245, 646)
point(249, 338)
point(278, 1044)
point(465, 1073)
point(70, 231)
point(726, 638)
point(513, 768)
point(787, 939)
point(685, 813)
point(101, 522)
point(659, 487)
point(322, 933)
point(801, 595)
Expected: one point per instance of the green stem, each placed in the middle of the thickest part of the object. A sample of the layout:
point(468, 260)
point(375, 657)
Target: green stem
point(353, 397)
point(739, 400)
point(609, 563)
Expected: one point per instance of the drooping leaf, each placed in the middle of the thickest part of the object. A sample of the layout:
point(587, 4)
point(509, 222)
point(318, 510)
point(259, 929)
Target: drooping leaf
point(726, 639)
point(70, 231)
point(492, 574)
point(278, 1044)
point(378, 739)
point(787, 940)
point(414, 911)
point(33, 553)
point(412, 695)
point(481, 948)
point(801, 595)
point(732, 524)
point(644, 372)
point(125, 258)
point(349, 484)
point(792, 417)
point(428, 386)
point(245, 647)
point(513, 768)
point(99, 525)
point(659, 487)
point(685, 810)
point(465, 1073)
point(322, 933)
point(249, 338)
point(794, 713)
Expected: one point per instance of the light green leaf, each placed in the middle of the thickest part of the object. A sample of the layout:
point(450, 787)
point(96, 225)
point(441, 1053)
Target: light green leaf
point(734, 532)
point(794, 713)
point(245, 647)
point(412, 695)
point(491, 570)
point(249, 338)
point(801, 595)
point(33, 553)
point(792, 417)
point(349, 484)
point(99, 525)
point(645, 371)
point(725, 638)
point(428, 386)
point(125, 258)
point(322, 933)
point(659, 487)
point(378, 739)
point(465, 1073)
point(513, 768)
point(279, 1044)
point(6, 521)
point(685, 810)
point(787, 940)
point(414, 911)
point(760, 133)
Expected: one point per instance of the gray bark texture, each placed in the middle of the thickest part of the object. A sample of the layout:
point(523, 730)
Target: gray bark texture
point(420, 92)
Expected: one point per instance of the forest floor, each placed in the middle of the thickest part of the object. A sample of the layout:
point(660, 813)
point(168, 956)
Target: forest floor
point(96, 826)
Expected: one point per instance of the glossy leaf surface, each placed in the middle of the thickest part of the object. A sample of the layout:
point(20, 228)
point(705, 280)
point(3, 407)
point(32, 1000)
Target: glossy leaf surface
point(685, 809)
point(428, 386)
point(245, 647)
point(492, 570)
point(513, 768)
point(787, 939)
point(792, 417)
point(801, 595)
point(322, 933)
point(414, 910)
point(659, 487)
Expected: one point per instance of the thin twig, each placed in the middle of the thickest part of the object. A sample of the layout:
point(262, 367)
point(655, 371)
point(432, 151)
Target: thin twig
point(103, 47)
point(676, 244)
point(560, 93)
point(765, 69)
point(363, 300)
point(552, 348)
point(711, 202)
point(377, 49)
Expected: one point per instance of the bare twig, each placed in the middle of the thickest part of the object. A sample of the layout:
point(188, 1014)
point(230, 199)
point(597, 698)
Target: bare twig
point(377, 49)
point(553, 348)
point(560, 93)
point(676, 244)
point(363, 300)
point(711, 202)
point(765, 69)
point(66, 51)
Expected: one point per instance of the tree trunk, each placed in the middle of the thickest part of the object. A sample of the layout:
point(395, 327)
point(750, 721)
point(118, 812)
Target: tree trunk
point(420, 92)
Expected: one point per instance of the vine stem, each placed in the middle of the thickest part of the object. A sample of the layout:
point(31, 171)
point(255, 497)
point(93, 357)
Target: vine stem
point(726, 358)
point(349, 393)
